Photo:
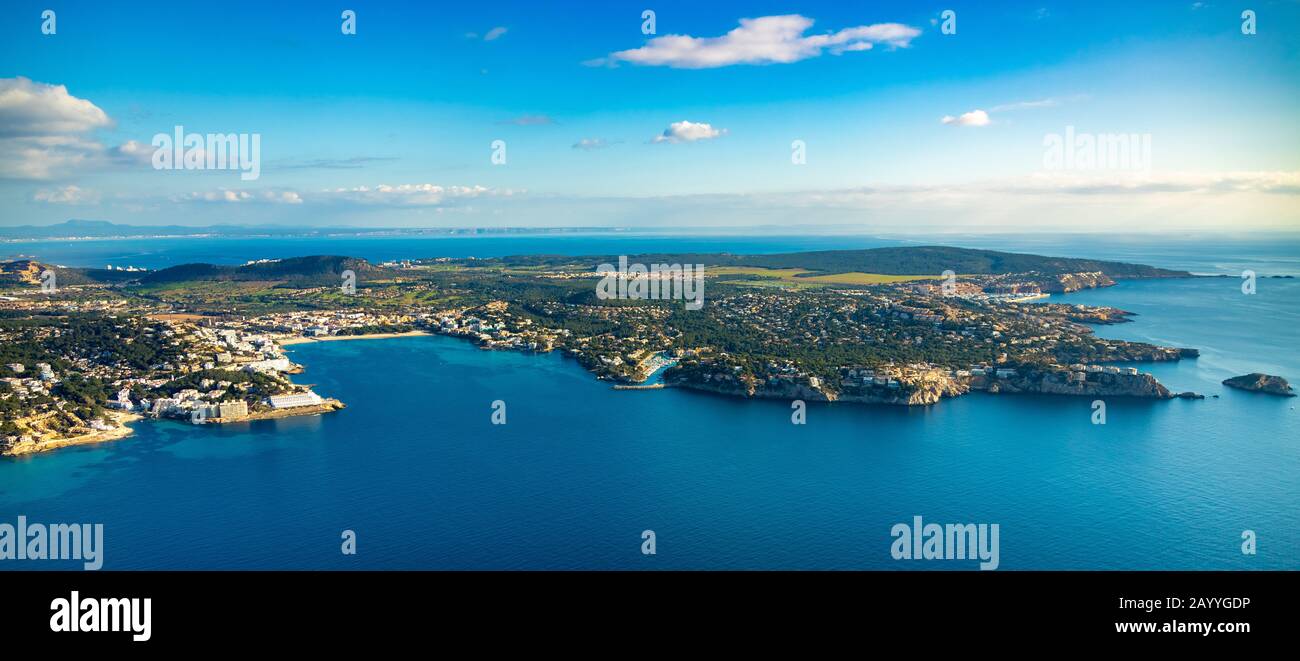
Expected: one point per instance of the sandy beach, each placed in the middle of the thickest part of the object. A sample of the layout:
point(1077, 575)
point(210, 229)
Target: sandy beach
point(333, 338)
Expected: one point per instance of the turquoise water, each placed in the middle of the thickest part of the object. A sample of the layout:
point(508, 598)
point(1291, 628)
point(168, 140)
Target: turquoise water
point(416, 468)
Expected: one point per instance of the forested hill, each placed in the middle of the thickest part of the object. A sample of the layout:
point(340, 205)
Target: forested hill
point(911, 260)
point(317, 267)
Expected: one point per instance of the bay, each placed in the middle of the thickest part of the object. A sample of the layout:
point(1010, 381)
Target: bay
point(415, 467)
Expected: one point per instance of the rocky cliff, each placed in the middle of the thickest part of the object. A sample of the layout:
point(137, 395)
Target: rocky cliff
point(935, 385)
point(1096, 384)
point(927, 389)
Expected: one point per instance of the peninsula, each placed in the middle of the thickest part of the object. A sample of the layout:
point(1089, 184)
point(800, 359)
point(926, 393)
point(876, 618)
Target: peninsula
point(205, 343)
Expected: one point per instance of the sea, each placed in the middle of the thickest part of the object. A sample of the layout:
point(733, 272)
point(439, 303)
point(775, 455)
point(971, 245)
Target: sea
point(580, 476)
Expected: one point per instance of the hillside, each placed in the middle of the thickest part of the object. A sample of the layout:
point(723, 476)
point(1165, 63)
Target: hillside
point(27, 272)
point(315, 269)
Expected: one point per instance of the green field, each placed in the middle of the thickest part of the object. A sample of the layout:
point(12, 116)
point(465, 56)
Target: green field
point(798, 277)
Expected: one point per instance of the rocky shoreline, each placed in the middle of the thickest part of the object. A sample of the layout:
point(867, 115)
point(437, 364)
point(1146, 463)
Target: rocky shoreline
point(1060, 383)
point(326, 406)
point(120, 431)
point(937, 386)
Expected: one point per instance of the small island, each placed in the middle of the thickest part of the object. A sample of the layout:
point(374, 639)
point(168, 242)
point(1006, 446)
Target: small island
point(1257, 382)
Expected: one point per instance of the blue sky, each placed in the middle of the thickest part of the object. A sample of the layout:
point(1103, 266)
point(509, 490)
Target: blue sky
point(394, 126)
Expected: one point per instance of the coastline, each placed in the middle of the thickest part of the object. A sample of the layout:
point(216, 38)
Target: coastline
point(122, 419)
point(290, 341)
point(119, 432)
point(327, 406)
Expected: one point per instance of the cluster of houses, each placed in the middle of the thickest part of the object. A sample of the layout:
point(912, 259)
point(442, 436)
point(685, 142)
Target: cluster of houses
point(26, 386)
point(37, 382)
point(237, 348)
point(503, 332)
point(213, 405)
point(907, 312)
point(1080, 371)
point(230, 347)
point(324, 323)
point(35, 300)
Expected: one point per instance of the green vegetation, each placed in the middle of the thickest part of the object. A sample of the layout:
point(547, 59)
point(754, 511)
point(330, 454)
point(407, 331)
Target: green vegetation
point(317, 270)
point(887, 261)
point(128, 341)
point(253, 384)
point(760, 276)
point(375, 329)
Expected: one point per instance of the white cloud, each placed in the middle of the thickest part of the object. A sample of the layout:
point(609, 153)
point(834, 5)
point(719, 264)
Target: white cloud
point(972, 118)
point(44, 157)
point(287, 197)
point(591, 144)
point(238, 196)
point(494, 34)
point(405, 195)
point(42, 132)
point(764, 40)
point(1039, 202)
point(983, 118)
point(29, 108)
point(383, 195)
point(67, 195)
point(1026, 105)
point(132, 152)
point(685, 131)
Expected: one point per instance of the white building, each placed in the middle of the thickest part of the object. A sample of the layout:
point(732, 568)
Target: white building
point(308, 398)
point(269, 366)
point(164, 405)
point(123, 400)
point(234, 409)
